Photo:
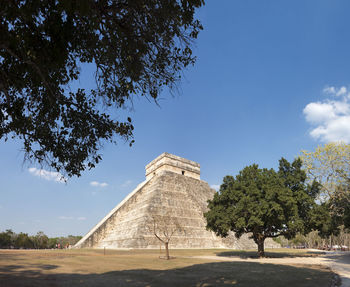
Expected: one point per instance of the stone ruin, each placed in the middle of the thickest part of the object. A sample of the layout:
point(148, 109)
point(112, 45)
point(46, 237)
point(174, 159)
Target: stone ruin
point(173, 188)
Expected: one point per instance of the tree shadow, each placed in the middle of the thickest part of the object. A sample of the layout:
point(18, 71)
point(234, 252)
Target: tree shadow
point(241, 274)
point(18, 268)
point(254, 254)
point(339, 257)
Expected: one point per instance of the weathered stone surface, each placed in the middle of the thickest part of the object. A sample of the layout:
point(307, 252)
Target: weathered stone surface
point(166, 191)
point(176, 164)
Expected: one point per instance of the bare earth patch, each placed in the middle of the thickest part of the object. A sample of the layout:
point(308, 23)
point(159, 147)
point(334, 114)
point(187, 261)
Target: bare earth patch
point(144, 268)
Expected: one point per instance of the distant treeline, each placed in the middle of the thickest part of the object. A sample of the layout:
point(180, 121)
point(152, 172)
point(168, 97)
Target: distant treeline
point(10, 239)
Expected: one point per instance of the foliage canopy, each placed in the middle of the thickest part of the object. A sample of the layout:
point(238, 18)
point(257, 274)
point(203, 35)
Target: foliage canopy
point(10, 239)
point(137, 47)
point(330, 166)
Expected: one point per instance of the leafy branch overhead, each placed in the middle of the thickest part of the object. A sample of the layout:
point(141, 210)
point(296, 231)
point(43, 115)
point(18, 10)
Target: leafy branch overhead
point(137, 47)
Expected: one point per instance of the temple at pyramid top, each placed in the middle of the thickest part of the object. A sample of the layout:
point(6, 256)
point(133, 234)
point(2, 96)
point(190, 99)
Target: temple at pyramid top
point(173, 163)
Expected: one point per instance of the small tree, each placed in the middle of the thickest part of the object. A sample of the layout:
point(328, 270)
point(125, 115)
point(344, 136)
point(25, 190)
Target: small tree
point(23, 241)
point(40, 240)
point(298, 240)
point(52, 243)
point(5, 239)
point(73, 239)
point(163, 228)
point(326, 223)
point(263, 202)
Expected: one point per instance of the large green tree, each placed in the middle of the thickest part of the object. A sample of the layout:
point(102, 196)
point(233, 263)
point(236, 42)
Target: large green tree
point(263, 202)
point(136, 47)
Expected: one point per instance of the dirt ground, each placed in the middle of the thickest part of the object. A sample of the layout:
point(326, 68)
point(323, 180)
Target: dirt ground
point(144, 268)
point(338, 262)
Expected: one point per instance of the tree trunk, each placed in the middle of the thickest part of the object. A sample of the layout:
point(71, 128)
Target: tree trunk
point(260, 243)
point(167, 250)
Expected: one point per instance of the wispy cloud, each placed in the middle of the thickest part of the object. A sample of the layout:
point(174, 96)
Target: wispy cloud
point(215, 186)
point(330, 118)
point(98, 184)
point(126, 183)
point(48, 175)
point(333, 91)
point(63, 217)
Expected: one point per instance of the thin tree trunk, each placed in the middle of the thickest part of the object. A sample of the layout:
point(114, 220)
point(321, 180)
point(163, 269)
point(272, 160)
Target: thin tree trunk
point(261, 250)
point(167, 250)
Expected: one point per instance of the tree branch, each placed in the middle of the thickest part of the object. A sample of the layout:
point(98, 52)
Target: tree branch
point(46, 84)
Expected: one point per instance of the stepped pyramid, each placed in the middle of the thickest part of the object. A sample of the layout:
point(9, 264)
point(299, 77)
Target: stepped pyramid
point(172, 187)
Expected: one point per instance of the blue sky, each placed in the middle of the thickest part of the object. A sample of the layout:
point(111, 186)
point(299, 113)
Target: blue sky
point(271, 79)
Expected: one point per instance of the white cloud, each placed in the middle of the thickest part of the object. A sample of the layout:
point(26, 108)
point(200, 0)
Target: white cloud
point(335, 130)
point(98, 184)
point(48, 175)
point(319, 112)
point(127, 183)
point(330, 118)
point(215, 186)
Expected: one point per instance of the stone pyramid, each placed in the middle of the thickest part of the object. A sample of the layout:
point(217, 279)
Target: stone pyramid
point(172, 187)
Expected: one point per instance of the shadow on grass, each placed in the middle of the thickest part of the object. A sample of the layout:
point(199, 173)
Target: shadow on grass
point(18, 268)
point(254, 254)
point(241, 274)
point(340, 257)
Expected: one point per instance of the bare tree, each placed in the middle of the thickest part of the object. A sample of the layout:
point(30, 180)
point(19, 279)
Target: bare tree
point(164, 227)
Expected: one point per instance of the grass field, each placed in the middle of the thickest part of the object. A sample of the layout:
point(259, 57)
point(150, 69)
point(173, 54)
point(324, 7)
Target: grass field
point(144, 268)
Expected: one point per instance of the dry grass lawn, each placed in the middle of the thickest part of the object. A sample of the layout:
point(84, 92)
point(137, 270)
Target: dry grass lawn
point(144, 268)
